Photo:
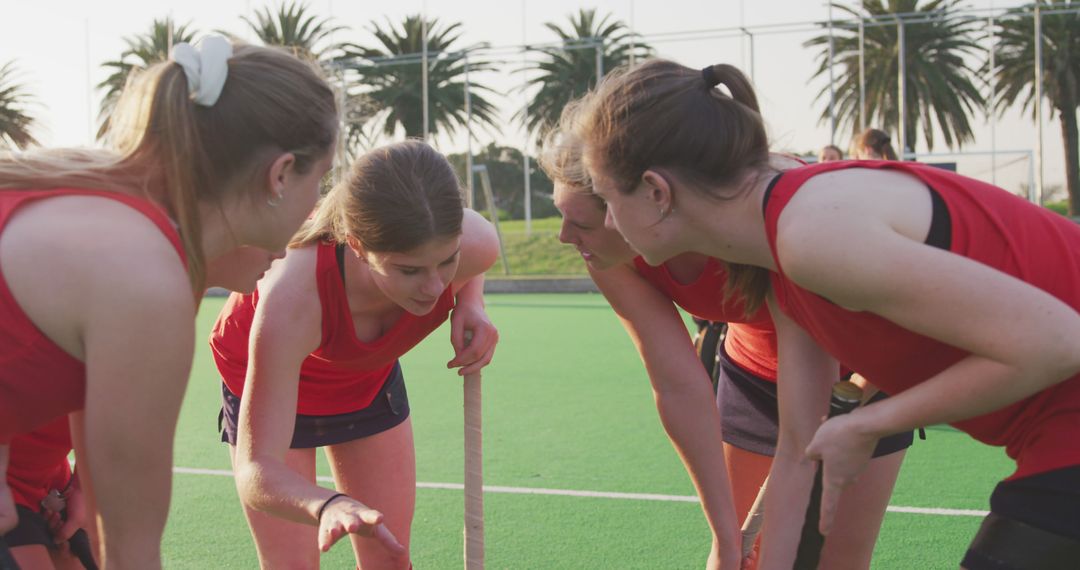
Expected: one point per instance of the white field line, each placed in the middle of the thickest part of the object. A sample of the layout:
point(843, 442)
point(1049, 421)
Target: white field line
point(597, 494)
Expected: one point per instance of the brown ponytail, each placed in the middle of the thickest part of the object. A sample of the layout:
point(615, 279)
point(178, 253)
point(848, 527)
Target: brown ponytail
point(664, 115)
point(737, 84)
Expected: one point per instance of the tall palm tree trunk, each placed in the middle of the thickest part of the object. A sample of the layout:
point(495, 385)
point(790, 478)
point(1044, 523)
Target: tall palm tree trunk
point(1071, 137)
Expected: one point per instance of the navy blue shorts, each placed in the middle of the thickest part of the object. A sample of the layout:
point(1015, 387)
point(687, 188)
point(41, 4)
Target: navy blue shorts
point(1048, 501)
point(31, 529)
point(389, 409)
point(750, 418)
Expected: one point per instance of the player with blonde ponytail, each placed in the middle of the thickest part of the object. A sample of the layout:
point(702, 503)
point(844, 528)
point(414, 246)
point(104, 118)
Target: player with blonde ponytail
point(104, 256)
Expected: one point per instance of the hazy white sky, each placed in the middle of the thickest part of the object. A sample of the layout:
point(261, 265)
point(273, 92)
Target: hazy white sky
point(59, 46)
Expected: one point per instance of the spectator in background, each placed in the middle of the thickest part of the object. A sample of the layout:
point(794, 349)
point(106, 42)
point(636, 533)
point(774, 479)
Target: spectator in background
point(872, 144)
point(829, 153)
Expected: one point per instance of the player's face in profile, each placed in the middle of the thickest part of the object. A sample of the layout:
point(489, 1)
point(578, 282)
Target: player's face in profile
point(583, 228)
point(635, 216)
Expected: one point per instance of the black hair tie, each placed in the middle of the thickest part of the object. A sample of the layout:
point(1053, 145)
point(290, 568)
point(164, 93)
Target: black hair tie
point(711, 80)
point(326, 503)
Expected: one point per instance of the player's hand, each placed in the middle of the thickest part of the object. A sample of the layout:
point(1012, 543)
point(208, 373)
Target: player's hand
point(717, 560)
point(346, 515)
point(844, 449)
point(76, 513)
point(473, 338)
point(750, 562)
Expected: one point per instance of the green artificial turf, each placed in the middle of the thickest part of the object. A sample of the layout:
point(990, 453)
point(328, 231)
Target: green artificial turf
point(567, 405)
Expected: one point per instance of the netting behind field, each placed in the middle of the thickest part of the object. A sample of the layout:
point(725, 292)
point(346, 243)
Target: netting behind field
point(1012, 170)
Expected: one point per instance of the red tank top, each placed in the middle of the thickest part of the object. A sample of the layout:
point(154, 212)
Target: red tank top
point(993, 227)
point(750, 341)
point(38, 380)
point(343, 374)
point(39, 462)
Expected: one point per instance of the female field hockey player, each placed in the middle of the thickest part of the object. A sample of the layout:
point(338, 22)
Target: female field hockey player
point(389, 253)
point(645, 297)
point(953, 296)
point(103, 262)
point(48, 497)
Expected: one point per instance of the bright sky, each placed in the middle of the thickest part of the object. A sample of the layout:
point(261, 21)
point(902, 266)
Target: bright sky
point(59, 46)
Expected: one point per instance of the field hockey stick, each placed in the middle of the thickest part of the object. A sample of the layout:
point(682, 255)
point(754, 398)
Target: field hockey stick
point(7, 561)
point(474, 475)
point(752, 525)
point(846, 396)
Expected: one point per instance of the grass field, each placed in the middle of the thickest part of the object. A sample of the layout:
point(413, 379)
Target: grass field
point(538, 252)
point(567, 406)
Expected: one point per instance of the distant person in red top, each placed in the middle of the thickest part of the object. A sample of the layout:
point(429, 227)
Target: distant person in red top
point(48, 496)
point(830, 152)
point(102, 253)
point(645, 299)
point(955, 297)
point(872, 144)
point(389, 253)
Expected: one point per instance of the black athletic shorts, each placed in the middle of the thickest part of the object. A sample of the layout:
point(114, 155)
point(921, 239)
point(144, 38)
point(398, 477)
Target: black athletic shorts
point(748, 410)
point(389, 409)
point(1048, 501)
point(31, 529)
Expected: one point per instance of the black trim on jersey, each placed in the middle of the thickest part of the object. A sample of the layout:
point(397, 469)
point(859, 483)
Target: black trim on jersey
point(339, 253)
point(940, 234)
point(768, 191)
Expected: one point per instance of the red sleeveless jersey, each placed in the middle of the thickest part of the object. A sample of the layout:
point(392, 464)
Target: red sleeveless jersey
point(38, 463)
point(343, 374)
point(750, 341)
point(992, 227)
point(38, 380)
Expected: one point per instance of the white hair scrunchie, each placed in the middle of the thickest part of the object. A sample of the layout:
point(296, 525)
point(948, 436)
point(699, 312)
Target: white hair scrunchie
point(206, 67)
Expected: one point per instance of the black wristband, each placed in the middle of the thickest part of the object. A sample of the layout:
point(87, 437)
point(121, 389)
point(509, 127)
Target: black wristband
point(326, 503)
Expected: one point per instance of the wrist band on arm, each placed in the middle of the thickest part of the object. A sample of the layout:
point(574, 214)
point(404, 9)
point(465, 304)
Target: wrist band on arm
point(326, 503)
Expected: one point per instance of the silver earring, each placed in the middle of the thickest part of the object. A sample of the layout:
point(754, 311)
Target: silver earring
point(273, 202)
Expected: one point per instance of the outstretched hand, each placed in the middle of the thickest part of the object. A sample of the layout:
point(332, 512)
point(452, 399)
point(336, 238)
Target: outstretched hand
point(473, 338)
point(349, 516)
point(844, 450)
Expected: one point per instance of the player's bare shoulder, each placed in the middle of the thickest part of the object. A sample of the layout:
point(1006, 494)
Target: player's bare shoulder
point(289, 296)
point(479, 246)
point(291, 277)
point(59, 252)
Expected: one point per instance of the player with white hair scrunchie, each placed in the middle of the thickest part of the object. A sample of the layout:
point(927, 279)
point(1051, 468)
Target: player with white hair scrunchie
point(158, 203)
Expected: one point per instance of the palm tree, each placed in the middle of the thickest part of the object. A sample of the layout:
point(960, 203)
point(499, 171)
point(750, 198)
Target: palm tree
point(311, 38)
point(570, 69)
point(142, 51)
point(939, 86)
point(391, 76)
point(293, 27)
point(1015, 74)
point(15, 122)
